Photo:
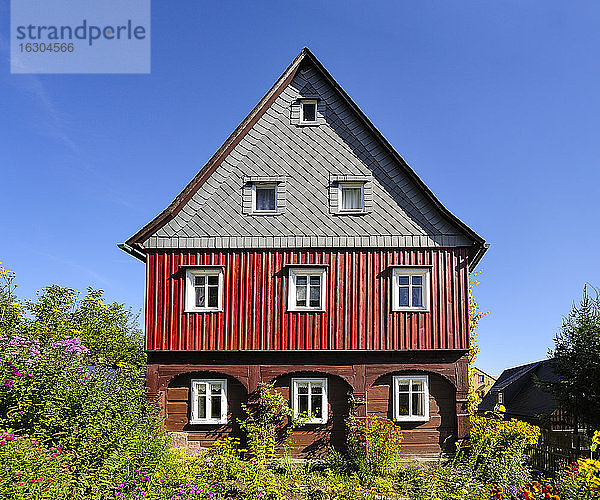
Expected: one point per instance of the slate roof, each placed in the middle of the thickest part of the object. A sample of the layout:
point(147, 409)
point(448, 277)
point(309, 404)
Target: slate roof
point(209, 212)
point(522, 396)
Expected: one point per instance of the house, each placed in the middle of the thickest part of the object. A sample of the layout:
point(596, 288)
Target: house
point(518, 391)
point(308, 254)
point(481, 382)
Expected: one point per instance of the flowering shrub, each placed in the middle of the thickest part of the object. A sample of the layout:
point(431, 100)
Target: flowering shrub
point(533, 490)
point(28, 469)
point(374, 444)
point(498, 450)
point(580, 481)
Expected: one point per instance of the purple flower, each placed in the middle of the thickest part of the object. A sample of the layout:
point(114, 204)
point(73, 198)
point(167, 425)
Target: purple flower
point(9, 382)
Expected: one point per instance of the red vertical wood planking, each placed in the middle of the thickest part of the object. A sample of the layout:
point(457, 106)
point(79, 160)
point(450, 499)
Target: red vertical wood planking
point(358, 313)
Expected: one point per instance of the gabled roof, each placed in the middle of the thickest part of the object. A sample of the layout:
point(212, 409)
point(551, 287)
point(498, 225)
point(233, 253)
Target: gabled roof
point(522, 396)
point(150, 235)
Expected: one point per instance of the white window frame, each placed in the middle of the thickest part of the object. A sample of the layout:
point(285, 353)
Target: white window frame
point(500, 398)
point(396, 394)
point(425, 273)
point(264, 185)
point(308, 271)
point(190, 290)
point(309, 101)
point(341, 186)
point(481, 379)
point(324, 401)
point(194, 419)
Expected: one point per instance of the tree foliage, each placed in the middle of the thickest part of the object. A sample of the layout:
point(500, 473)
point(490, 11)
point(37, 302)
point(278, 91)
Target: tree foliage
point(576, 362)
point(109, 331)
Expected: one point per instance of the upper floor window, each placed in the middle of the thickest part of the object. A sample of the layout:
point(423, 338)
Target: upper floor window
point(411, 289)
point(209, 401)
point(204, 289)
point(352, 196)
point(411, 397)
point(308, 111)
point(264, 197)
point(481, 379)
point(306, 289)
point(309, 399)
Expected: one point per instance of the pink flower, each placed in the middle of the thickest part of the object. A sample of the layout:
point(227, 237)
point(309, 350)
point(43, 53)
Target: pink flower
point(9, 436)
point(9, 382)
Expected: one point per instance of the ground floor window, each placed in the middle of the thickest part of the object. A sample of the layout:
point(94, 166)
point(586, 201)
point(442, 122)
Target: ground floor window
point(411, 397)
point(309, 399)
point(209, 401)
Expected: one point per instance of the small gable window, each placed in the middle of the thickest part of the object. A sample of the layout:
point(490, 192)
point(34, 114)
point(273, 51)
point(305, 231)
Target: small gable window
point(209, 401)
point(204, 289)
point(352, 197)
point(306, 289)
point(265, 197)
point(308, 111)
point(481, 379)
point(411, 289)
point(411, 398)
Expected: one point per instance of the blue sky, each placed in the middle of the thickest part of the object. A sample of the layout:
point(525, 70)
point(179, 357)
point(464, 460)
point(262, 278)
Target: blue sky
point(494, 104)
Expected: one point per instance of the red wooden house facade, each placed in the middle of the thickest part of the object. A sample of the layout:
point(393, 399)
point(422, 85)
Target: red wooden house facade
point(307, 253)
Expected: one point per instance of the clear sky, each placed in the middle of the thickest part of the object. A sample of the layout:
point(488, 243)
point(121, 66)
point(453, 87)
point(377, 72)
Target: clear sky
point(494, 104)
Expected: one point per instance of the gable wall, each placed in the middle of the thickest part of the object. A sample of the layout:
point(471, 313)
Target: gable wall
point(358, 311)
point(308, 157)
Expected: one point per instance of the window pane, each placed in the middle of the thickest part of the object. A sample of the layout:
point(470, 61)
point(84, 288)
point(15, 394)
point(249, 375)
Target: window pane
point(316, 388)
point(302, 403)
point(199, 296)
point(315, 296)
point(403, 280)
point(199, 280)
point(315, 280)
point(418, 403)
point(417, 280)
point(215, 406)
point(309, 112)
point(417, 386)
point(403, 386)
point(215, 388)
point(302, 388)
point(300, 295)
point(213, 296)
point(403, 404)
point(201, 388)
point(301, 280)
point(213, 279)
point(202, 407)
point(351, 198)
point(417, 296)
point(265, 198)
point(317, 406)
point(403, 296)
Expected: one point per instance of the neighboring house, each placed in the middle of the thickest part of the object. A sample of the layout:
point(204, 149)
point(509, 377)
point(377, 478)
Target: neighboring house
point(308, 254)
point(516, 389)
point(481, 382)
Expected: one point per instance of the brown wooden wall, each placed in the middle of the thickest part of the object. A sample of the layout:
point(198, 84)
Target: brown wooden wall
point(358, 312)
point(368, 382)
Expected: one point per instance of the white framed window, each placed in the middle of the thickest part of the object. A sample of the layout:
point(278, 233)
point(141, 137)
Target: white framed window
point(306, 289)
point(411, 289)
point(309, 399)
point(481, 379)
point(264, 197)
point(351, 196)
point(411, 398)
point(204, 289)
point(208, 401)
point(308, 111)
point(500, 398)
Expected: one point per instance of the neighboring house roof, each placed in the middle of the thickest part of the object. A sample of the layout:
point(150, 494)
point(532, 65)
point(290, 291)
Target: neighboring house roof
point(209, 213)
point(522, 395)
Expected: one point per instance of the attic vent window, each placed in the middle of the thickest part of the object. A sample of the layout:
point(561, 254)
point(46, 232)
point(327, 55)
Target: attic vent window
point(352, 196)
point(265, 196)
point(308, 111)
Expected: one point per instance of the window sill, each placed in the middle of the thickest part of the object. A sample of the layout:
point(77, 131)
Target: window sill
point(208, 422)
point(265, 212)
point(411, 419)
point(308, 124)
point(351, 212)
point(411, 309)
point(307, 310)
point(207, 310)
